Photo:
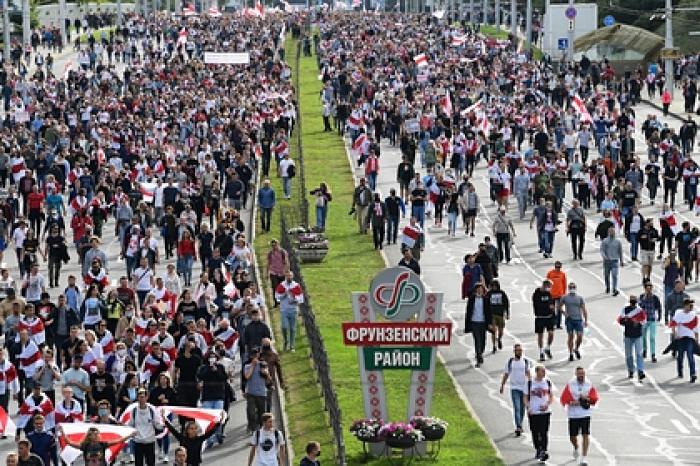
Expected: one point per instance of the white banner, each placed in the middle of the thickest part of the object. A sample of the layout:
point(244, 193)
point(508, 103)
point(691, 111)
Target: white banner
point(226, 58)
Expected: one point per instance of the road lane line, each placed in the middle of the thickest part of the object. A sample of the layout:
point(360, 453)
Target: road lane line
point(679, 425)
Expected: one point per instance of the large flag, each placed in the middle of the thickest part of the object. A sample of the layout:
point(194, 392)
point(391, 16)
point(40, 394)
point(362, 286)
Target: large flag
point(29, 357)
point(205, 418)
point(76, 431)
point(30, 408)
point(581, 110)
point(260, 9)
point(421, 60)
point(214, 12)
point(189, 10)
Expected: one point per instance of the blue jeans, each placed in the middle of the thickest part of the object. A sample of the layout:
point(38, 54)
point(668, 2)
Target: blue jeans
point(418, 211)
point(517, 396)
point(184, 268)
point(372, 180)
point(649, 329)
point(214, 404)
point(685, 346)
point(131, 262)
point(634, 244)
point(610, 269)
point(548, 241)
point(634, 344)
point(452, 222)
point(289, 327)
point(321, 214)
point(287, 186)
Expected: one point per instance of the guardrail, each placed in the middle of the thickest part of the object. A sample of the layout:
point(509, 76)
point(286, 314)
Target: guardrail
point(304, 203)
point(290, 218)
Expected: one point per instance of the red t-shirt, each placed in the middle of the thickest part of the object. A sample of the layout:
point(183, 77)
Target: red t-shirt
point(34, 200)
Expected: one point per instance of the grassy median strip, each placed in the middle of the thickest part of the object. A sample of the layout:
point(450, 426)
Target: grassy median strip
point(349, 266)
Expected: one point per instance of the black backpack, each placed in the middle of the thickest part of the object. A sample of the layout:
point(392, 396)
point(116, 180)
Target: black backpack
point(291, 171)
point(257, 437)
point(527, 362)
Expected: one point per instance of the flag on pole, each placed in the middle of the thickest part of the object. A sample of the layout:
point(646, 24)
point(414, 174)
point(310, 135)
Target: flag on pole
point(260, 9)
point(446, 105)
point(421, 60)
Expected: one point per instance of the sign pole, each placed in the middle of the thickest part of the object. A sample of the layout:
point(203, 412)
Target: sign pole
point(373, 392)
point(668, 64)
point(570, 51)
point(6, 32)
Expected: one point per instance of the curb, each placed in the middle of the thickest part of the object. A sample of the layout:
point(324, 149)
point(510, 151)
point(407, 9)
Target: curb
point(675, 115)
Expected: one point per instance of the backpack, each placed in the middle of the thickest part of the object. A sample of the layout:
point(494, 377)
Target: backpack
point(291, 171)
point(527, 362)
point(151, 412)
point(257, 437)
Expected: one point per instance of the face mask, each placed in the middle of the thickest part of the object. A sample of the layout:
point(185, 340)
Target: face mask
point(103, 411)
point(121, 353)
point(129, 314)
point(132, 392)
point(572, 290)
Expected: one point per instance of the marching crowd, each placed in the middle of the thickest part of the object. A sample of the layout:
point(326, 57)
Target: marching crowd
point(450, 99)
point(159, 151)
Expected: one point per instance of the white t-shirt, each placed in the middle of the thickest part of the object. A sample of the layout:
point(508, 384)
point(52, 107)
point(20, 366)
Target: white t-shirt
point(144, 278)
point(539, 396)
point(266, 439)
point(518, 373)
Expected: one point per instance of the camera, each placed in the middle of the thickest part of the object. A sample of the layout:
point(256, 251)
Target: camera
point(584, 403)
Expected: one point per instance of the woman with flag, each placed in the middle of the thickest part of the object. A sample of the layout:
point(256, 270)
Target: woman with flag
point(190, 438)
point(92, 446)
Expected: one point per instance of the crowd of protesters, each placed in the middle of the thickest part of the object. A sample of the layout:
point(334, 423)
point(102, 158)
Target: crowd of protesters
point(160, 150)
point(450, 98)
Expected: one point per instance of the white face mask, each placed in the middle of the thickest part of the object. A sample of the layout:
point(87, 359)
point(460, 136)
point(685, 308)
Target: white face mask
point(121, 352)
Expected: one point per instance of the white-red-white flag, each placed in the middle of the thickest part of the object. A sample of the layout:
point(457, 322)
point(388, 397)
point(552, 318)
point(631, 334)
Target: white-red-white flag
point(189, 10)
point(148, 191)
point(446, 105)
point(458, 41)
point(670, 220)
point(182, 37)
point(7, 426)
point(581, 110)
point(76, 431)
point(410, 235)
point(421, 60)
point(214, 12)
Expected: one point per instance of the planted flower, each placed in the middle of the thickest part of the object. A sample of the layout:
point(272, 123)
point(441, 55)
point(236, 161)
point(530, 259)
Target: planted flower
point(400, 435)
point(366, 430)
point(432, 428)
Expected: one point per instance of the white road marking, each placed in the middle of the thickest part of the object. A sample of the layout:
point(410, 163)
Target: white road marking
point(679, 425)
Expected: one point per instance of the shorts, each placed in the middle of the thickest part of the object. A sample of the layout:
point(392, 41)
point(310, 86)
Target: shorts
point(471, 213)
point(544, 323)
point(574, 325)
point(581, 425)
point(505, 192)
point(646, 257)
point(499, 321)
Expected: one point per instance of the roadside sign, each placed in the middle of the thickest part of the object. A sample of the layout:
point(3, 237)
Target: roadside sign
point(571, 25)
point(377, 359)
point(570, 12)
point(563, 43)
point(397, 333)
point(609, 20)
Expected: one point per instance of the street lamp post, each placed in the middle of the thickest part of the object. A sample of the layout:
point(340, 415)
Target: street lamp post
point(5, 31)
point(26, 27)
point(528, 25)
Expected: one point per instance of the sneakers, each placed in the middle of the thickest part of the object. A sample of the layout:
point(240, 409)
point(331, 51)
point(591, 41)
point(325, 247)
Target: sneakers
point(571, 357)
point(544, 456)
point(541, 357)
point(644, 354)
point(518, 431)
point(583, 461)
point(616, 292)
point(578, 354)
point(641, 376)
point(653, 358)
point(548, 352)
point(575, 453)
point(165, 460)
point(500, 344)
point(630, 375)
point(693, 378)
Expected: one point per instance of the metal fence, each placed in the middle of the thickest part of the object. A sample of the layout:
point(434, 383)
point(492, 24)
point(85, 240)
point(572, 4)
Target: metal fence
point(290, 218)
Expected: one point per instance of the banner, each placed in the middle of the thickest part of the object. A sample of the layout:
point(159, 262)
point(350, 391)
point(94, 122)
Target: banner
point(226, 58)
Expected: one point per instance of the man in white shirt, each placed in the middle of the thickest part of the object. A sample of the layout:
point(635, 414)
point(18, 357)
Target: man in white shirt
point(538, 400)
point(684, 326)
point(143, 280)
point(287, 175)
point(267, 445)
point(518, 370)
point(146, 421)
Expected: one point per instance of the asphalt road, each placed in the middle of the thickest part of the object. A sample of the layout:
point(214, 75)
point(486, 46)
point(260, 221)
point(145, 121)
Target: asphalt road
point(234, 450)
point(651, 423)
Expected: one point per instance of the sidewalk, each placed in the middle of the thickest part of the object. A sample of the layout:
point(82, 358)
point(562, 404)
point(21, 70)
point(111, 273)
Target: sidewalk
point(677, 107)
